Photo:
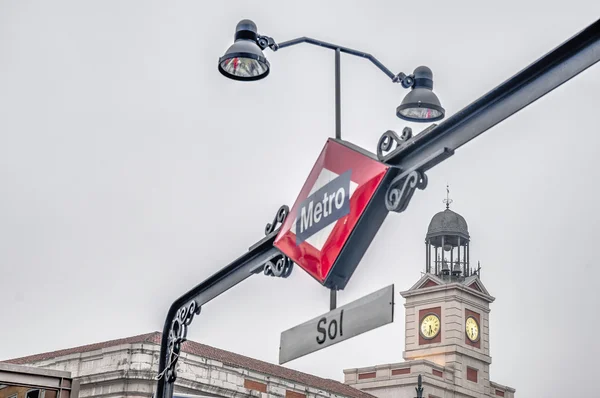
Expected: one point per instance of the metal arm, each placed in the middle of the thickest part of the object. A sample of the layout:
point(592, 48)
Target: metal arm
point(415, 155)
point(395, 78)
point(261, 257)
point(406, 80)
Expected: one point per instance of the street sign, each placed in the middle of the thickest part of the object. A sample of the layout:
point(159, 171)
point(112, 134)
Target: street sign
point(335, 199)
point(343, 323)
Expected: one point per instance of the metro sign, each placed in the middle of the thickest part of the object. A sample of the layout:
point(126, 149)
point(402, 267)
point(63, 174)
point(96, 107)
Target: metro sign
point(337, 214)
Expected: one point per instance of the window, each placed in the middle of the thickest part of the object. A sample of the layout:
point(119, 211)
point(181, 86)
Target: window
point(370, 375)
point(255, 385)
point(472, 374)
point(35, 394)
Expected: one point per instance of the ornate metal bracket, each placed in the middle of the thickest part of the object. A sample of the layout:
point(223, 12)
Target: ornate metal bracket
point(178, 335)
point(281, 265)
point(389, 138)
point(278, 221)
point(402, 188)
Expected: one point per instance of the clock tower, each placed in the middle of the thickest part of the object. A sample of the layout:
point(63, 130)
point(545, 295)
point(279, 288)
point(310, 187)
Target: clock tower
point(447, 325)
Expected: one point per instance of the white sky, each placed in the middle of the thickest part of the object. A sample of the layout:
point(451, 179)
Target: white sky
point(130, 170)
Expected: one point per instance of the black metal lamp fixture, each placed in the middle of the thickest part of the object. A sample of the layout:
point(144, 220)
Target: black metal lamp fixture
point(421, 104)
point(245, 61)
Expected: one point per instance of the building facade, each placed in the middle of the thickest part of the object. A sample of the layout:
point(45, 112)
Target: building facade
point(17, 381)
point(447, 344)
point(128, 368)
point(446, 326)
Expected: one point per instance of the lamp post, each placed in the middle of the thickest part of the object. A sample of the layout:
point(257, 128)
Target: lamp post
point(409, 157)
point(245, 61)
point(419, 388)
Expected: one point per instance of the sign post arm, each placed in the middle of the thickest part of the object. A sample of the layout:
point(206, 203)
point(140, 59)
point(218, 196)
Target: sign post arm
point(544, 75)
point(412, 156)
point(261, 257)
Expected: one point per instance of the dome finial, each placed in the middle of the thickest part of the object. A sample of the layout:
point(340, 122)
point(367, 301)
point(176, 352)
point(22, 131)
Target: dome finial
point(447, 201)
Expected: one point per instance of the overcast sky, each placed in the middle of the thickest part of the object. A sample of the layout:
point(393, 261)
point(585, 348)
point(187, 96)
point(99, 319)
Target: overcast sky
point(130, 170)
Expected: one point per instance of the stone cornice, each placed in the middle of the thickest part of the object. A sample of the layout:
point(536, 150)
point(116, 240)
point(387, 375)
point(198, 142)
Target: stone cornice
point(99, 353)
point(501, 387)
point(446, 287)
point(399, 365)
point(447, 298)
point(118, 375)
point(27, 369)
point(445, 349)
point(195, 386)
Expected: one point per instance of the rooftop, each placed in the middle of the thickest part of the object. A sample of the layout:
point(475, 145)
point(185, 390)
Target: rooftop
point(205, 351)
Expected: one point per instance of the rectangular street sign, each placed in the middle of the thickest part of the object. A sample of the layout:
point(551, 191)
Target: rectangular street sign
point(343, 323)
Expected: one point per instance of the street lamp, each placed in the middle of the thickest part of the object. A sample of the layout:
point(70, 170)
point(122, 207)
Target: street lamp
point(245, 61)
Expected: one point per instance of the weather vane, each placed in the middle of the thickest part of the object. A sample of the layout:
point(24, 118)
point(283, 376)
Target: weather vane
point(447, 201)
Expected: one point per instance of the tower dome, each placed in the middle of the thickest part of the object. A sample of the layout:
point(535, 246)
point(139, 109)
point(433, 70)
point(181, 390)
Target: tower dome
point(447, 243)
point(447, 223)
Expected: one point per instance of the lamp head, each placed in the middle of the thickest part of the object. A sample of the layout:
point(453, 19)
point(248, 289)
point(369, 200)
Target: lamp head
point(421, 104)
point(244, 60)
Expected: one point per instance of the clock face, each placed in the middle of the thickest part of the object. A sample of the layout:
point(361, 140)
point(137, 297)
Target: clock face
point(430, 326)
point(472, 329)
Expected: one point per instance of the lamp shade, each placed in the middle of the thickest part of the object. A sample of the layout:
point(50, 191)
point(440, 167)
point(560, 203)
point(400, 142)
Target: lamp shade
point(244, 60)
point(421, 104)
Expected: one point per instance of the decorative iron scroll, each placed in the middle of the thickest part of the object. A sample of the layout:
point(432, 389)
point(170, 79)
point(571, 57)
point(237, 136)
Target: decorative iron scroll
point(279, 266)
point(177, 335)
point(280, 217)
point(389, 138)
point(402, 189)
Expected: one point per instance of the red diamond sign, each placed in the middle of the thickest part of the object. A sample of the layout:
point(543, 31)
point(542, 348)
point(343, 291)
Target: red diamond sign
point(327, 219)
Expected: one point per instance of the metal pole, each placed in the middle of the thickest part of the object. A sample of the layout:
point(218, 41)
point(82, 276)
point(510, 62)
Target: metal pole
point(332, 299)
point(468, 265)
point(427, 253)
point(468, 261)
point(459, 265)
point(338, 105)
